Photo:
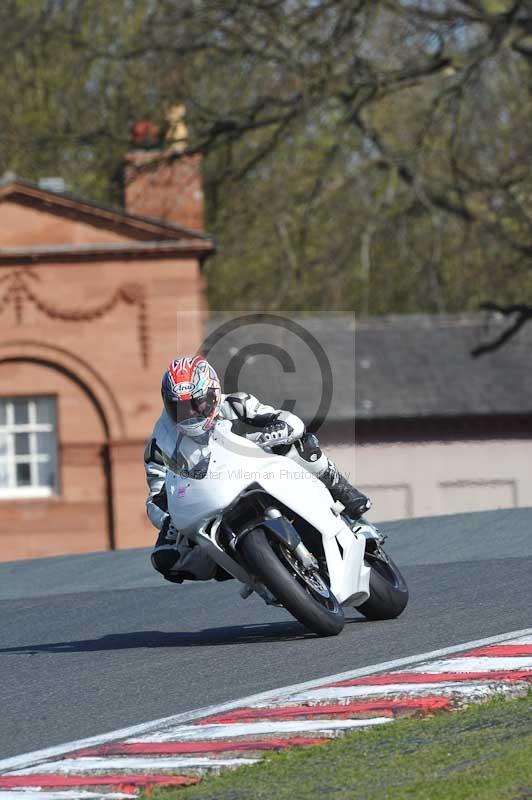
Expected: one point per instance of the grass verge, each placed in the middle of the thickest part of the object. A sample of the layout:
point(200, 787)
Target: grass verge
point(483, 752)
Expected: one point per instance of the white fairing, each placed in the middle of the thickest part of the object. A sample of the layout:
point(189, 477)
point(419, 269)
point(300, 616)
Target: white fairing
point(235, 464)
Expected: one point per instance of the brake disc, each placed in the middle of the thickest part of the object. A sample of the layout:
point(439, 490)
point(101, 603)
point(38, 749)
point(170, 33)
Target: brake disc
point(311, 577)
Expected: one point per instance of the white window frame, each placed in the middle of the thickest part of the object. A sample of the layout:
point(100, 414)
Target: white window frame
point(32, 428)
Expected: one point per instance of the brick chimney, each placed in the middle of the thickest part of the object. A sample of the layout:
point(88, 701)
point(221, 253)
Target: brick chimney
point(160, 182)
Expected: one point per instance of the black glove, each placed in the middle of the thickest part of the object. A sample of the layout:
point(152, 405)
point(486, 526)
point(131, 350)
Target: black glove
point(275, 434)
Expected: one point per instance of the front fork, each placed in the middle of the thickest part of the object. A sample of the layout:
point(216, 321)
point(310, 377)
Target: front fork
point(207, 538)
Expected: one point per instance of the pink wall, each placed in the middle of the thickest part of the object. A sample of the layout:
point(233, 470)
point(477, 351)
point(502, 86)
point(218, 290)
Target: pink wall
point(430, 478)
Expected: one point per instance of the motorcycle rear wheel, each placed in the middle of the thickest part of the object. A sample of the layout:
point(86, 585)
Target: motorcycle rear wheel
point(323, 616)
point(388, 592)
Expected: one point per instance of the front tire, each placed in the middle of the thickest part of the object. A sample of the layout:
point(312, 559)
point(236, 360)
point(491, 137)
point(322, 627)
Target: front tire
point(325, 618)
point(388, 592)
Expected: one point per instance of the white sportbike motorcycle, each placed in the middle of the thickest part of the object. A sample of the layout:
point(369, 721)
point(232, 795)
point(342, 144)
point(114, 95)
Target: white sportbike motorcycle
point(274, 526)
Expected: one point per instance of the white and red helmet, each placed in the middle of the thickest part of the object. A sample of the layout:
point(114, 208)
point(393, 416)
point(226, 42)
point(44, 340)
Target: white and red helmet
point(192, 394)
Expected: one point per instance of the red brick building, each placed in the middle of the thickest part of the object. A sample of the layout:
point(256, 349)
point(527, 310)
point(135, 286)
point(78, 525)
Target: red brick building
point(89, 301)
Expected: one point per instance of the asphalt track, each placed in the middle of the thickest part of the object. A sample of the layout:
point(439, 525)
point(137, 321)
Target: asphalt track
point(93, 643)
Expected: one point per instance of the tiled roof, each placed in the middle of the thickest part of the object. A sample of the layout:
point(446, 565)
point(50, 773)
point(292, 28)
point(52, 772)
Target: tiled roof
point(388, 368)
point(422, 366)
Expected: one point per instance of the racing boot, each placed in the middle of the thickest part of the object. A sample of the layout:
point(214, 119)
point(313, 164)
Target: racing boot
point(355, 502)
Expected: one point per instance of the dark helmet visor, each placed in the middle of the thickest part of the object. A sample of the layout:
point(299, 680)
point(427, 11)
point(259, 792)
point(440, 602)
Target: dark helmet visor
point(181, 410)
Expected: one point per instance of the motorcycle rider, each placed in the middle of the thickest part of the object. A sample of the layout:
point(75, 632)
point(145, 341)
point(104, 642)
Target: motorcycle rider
point(193, 401)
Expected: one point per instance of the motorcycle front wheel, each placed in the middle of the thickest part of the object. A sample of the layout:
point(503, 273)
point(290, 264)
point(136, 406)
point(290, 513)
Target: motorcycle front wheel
point(304, 594)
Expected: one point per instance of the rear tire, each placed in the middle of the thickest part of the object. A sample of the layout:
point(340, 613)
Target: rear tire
point(268, 567)
point(388, 592)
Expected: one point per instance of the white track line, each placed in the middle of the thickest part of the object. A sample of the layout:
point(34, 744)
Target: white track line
point(476, 664)
point(27, 759)
point(465, 688)
point(203, 733)
point(114, 764)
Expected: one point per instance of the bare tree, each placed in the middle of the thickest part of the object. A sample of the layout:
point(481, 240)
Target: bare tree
point(349, 143)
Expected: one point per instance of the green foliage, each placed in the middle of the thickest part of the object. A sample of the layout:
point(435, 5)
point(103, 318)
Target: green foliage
point(368, 155)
